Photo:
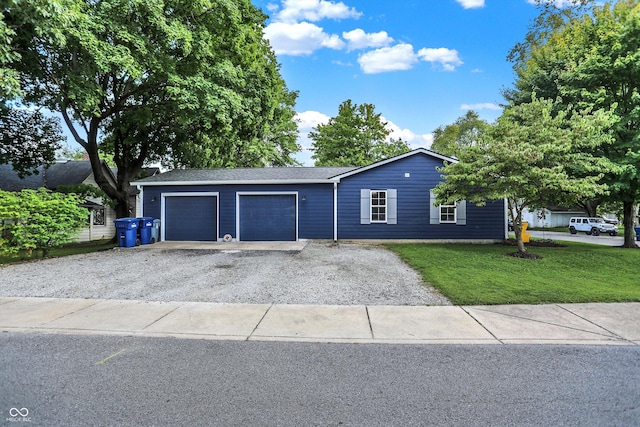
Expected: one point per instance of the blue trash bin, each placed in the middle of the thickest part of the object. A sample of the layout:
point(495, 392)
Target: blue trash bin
point(127, 231)
point(144, 229)
point(637, 233)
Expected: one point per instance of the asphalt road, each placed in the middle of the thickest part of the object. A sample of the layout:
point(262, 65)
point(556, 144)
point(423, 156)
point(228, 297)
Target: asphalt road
point(82, 380)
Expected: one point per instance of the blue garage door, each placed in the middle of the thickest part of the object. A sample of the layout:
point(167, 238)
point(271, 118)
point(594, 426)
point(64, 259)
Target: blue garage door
point(268, 217)
point(190, 218)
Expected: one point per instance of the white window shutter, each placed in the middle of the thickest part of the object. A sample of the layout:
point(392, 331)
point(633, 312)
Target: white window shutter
point(461, 212)
point(434, 211)
point(365, 206)
point(392, 206)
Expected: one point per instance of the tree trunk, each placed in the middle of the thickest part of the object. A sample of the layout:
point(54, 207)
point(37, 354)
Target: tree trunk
point(516, 217)
point(591, 206)
point(629, 221)
point(517, 229)
point(123, 208)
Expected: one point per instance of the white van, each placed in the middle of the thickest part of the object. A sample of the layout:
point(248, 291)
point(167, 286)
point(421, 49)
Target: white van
point(590, 225)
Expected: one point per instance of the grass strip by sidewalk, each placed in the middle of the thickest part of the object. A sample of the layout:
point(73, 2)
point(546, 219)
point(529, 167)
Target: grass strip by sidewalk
point(66, 250)
point(484, 274)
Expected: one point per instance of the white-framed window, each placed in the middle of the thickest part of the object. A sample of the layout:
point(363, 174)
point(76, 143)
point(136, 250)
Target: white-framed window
point(98, 216)
point(447, 214)
point(378, 205)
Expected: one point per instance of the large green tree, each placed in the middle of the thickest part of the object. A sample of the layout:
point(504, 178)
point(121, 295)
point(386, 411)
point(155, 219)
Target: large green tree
point(593, 61)
point(531, 157)
point(464, 132)
point(28, 138)
point(185, 82)
point(357, 136)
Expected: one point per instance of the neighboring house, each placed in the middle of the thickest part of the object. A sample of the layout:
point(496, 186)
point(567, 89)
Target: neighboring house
point(67, 172)
point(390, 199)
point(551, 216)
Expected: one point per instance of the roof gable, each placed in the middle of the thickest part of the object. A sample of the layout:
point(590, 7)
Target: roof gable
point(423, 151)
point(272, 175)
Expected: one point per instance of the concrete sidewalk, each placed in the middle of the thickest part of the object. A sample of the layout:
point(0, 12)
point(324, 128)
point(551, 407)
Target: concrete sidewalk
point(512, 324)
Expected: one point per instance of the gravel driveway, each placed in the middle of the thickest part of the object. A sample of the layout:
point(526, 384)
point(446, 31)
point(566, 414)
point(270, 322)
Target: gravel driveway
point(322, 273)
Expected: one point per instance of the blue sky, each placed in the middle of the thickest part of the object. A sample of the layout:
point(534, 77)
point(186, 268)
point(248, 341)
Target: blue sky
point(422, 63)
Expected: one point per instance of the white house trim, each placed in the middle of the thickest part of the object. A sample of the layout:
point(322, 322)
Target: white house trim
point(236, 182)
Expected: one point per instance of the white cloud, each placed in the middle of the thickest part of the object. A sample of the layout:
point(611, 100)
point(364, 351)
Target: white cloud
point(358, 39)
point(291, 31)
point(314, 10)
point(395, 58)
point(271, 7)
point(342, 64)
point(480, 106)
point(448, 58)
point(402, 57)
point(472, 4)
point(300, 38)
point(413, 139)
point(307, 120)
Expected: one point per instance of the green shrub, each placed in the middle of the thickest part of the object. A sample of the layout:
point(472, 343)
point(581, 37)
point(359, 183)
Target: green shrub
point(34, 220)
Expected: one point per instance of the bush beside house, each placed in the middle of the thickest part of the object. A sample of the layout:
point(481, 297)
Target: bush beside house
point(33, 220)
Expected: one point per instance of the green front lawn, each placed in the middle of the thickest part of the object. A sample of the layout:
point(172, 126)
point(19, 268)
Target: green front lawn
point(70, 249)
point(484, 274)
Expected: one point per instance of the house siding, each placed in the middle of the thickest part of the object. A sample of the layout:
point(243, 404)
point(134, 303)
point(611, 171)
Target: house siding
point(98, 232)
point(315, 213)
point(413, 206)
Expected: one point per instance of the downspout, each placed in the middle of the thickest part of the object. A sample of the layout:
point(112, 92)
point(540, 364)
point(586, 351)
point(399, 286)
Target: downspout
point(506, 219)
point(139, 201)
point(335, 211)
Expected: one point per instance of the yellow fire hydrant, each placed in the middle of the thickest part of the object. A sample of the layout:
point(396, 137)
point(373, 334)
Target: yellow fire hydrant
point(525, 236)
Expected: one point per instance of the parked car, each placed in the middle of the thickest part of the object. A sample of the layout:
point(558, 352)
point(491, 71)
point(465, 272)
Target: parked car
point(610, 220)
point(591, 225)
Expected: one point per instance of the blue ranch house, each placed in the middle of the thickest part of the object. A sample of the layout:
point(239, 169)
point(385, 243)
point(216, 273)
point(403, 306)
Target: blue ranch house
point(390, 200)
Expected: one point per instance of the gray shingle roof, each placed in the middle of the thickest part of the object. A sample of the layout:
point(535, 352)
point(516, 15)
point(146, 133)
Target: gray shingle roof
point(247, 174)
point(10, 181)
point(70, 172)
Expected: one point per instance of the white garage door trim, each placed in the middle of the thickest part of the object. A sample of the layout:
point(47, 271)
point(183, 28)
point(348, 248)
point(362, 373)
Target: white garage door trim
point(188, 194)
point(262, 193)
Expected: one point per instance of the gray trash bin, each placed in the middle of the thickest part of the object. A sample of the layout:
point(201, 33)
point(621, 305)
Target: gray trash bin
point(155, 231)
